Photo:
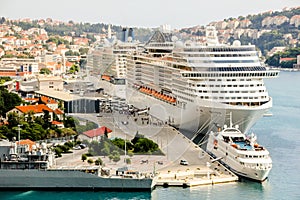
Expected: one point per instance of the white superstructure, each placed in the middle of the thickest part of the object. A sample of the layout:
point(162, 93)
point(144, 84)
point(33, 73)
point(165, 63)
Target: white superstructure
point(241, 153)
point(194, 86)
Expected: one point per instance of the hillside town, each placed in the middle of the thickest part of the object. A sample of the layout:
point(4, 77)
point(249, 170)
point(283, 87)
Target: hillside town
point(25, 52)
point(242, 28)
point(157, 105)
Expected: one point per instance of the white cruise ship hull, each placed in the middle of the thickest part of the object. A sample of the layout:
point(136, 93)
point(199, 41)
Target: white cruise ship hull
point(198, 117)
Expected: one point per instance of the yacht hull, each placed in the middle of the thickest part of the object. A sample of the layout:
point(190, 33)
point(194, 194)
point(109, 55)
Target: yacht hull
point(224, 153)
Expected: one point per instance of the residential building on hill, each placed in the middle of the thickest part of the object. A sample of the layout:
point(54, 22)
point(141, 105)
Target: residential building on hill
point(94, 134)
point(36, 110)
point(50, 83)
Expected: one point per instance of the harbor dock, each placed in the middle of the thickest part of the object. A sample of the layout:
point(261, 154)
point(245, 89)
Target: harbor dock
point(166, 169)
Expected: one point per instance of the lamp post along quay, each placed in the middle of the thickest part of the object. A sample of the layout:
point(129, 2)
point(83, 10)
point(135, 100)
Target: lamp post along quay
point(125, 123)
point(19, 137)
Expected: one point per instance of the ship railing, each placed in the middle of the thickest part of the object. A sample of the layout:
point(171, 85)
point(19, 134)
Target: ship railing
point(263, 167)
point(256, 74)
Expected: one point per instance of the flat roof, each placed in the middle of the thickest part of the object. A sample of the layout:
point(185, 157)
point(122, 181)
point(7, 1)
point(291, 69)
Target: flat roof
point(65, 96)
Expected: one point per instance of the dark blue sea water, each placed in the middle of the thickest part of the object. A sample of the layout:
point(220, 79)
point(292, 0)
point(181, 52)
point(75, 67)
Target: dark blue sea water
point(280, 134)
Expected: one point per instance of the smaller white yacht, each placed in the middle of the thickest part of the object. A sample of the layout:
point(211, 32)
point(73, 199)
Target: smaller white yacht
point(240, 153)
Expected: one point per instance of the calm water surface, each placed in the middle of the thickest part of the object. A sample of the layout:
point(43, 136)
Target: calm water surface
point(280, 134)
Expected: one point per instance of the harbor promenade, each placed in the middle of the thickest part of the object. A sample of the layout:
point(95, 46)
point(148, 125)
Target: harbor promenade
point(166, 169)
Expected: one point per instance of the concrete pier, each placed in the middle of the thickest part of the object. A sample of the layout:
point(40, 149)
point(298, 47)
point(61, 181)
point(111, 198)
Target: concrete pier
point(165, 169)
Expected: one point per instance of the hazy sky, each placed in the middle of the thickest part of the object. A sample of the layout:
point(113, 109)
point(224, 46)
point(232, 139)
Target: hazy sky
point(140, 13)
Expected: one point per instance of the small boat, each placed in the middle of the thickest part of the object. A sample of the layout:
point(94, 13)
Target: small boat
point(240, 153)
point(268, 115)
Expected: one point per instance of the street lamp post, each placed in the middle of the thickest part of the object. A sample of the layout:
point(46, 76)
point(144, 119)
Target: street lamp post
point(19, 125)
point(125, 123)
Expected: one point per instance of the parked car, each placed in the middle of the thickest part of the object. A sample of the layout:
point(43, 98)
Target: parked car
point(184, 162)
point(77, 148)
point(82, 146)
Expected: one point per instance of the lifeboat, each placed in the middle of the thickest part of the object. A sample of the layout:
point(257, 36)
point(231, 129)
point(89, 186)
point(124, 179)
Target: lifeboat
point(234, 145)
point(165, 97)
point(173, 100)
point(106, 77)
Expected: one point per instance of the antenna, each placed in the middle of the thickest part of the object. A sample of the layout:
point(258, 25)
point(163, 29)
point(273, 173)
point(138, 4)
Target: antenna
point(230, 119)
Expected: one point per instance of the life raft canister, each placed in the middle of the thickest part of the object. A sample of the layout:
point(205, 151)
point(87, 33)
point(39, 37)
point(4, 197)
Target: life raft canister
point(216, 143)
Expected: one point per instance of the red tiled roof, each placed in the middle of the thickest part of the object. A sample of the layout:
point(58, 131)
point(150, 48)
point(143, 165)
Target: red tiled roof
point(56, 122)
point(69, 64)
point(286, 59)
point(31, 99)
point(47, 100)
point(35, 108)
point(13, 73)
point(58, 111)
point(27, 142)
point(97, 132)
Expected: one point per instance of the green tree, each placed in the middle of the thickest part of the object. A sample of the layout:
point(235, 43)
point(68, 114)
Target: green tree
point(273, 60)
point(46, 119)
point(74, 69)
point(83, 51)
point(72, 53)
point(5, 132)
point(30, 116)
point(144, 145)
point(58, 151)
point(116, 156)
point(67, 132)
point(128, 161)
point(90, 161)
point(8, 101)
point(65, 148)
point(288, 64)
point(69, 122)
point(99, 161)
point(83, 157)
point(13, 120)
point(45, 71)
point(69, 144)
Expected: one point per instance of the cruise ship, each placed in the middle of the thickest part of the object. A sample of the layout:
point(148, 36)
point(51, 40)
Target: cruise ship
point(194, 86)
point(108, 59)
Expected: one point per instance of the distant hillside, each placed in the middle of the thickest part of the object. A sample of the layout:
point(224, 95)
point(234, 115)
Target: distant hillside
point(265, 30)
point(257, 19)
point(76, 29)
